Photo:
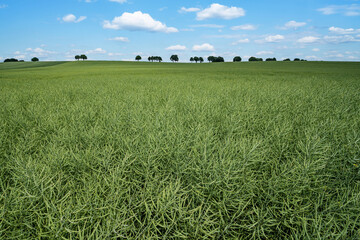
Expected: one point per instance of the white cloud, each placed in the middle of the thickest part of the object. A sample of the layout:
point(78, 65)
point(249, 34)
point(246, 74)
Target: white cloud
point(39, 51)
point(3, 6)
point(138, 21)
point(338, 30)
point(96, 51)
point(185, 10)
point(22, 56)
point(17, 52)
point(244, 27)
point(308, 39)
point(294, 25)
point(341, 39)
point(315, 50)
point(220, 11)
point(246, 40)
point(118, 1)
point(274, 38)
point(120, 39)
point(312, 57)
point(347, 10)
point(115, 54)
point(72, 18)
point(208, 26)
point(176, 48)
point(203, 48)
point(264, 53)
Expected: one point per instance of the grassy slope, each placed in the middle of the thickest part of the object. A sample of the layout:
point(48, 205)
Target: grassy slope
point(140, 150)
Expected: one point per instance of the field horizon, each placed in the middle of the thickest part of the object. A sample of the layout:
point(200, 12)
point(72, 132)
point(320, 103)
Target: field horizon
point(140, 150)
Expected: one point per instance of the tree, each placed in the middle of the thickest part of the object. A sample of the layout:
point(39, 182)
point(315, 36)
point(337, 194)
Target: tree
point(77, 57)
point(11, 60)
point(196, 59)
point(201, 59)
point(218, 59)
point(237, 59)
point(155, 58)
point(138, 58)
point(211, 58)
point(83, 57)
point(286, 60)
point(192, 59)
point(34, 59)
point(296, 59)
point(271, 60)
point(254, 59)
point(174, 58)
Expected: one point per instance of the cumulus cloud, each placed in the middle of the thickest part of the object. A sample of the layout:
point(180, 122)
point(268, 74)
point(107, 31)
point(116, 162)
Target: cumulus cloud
point(274, 38)
point(206, 47)
point(294, 25)
point(39, 51)
point(338, 30)
point(118, 1)
point(96, 51)
point(22, 56)
point(220, 11)
point(347, 10)
point(341, 39)
point(115, 54)
point(186, 10)
point(71, 18)
point(138, 21)
point(264, 53)
point(120, 39)
point(308, 39)
point(176, 48)
point(312, 57)
point(246, 40)
point(315, 50)
point(244, 27)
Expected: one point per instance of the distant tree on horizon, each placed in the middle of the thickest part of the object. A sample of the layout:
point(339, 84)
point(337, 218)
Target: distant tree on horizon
point(34, 59)
point(287, 60)
point(296, 59)
point(192, 59)
point(201, 60)
point(211, 58)
point(11, 60)
point(155, 58)
point(138, 58)
point(219, 59)
point(77, 57)
point(174, 58)
point(82, 56)
point(270, 60)
point(237, 59)
point(254, 59)
point(196, 59)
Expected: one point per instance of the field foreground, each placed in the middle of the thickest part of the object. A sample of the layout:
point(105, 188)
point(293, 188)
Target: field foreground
point(116, 150)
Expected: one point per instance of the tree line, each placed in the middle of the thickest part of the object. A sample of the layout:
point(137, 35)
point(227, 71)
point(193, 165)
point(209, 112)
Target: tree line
point(196, 59)
point(34, 59)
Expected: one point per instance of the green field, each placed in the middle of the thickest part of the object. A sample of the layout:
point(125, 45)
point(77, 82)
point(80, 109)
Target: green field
point(117, 150)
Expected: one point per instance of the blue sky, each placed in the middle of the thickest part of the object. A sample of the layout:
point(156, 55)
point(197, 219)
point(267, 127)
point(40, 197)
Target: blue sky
point(122, 29)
